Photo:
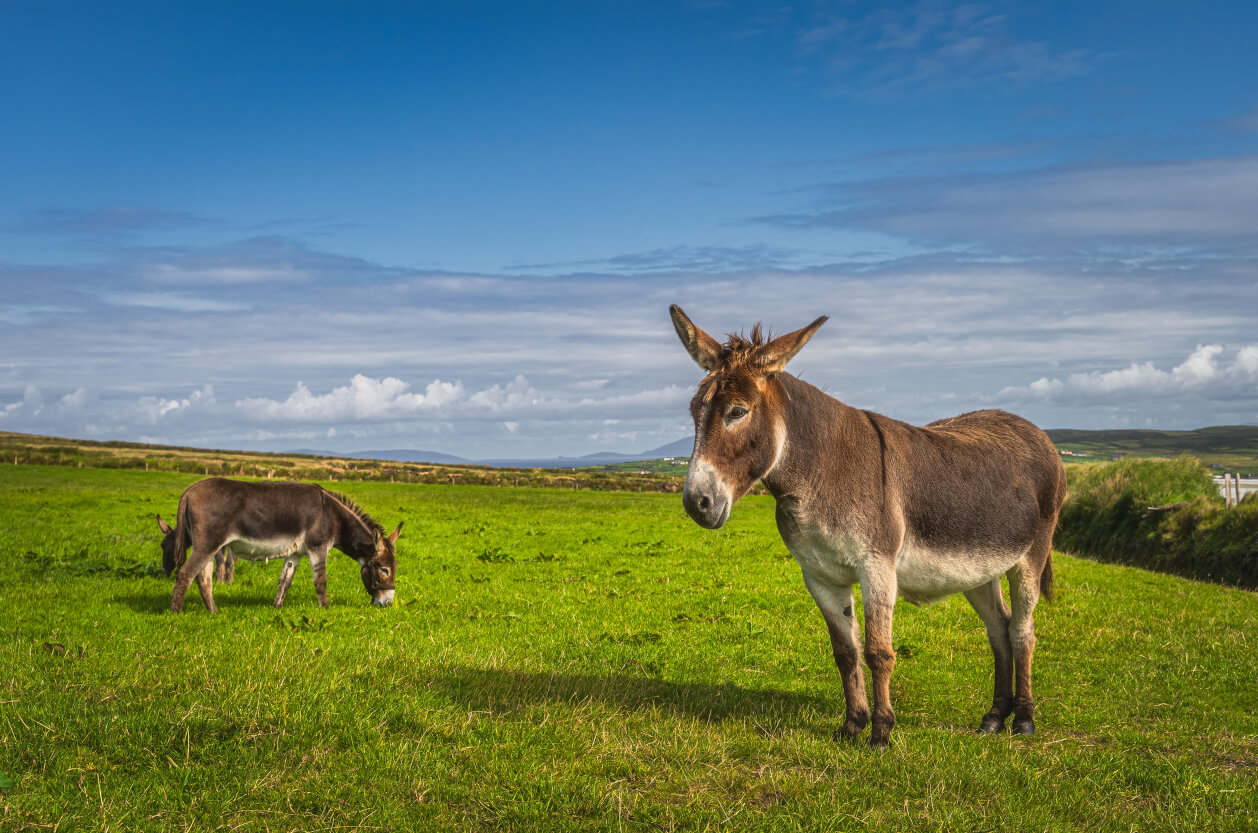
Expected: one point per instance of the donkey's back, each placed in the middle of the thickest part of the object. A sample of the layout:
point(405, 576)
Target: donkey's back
point(985, 478)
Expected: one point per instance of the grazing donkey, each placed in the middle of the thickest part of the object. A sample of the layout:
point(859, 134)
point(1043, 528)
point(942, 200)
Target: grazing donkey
point(861, 498)
point(261, 521)
point(224, 559)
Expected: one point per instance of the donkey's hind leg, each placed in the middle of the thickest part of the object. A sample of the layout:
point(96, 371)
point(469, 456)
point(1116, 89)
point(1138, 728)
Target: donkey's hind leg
point(319, 568)
point(198, 561)
point(286, 580)
point(1024, 594)
point(989, 604)
point(205, 583)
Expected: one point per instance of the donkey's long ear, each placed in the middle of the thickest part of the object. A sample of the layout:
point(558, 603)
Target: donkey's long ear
point(773, 356)
point(702, 347)
point(163, 526)
point(394, 534)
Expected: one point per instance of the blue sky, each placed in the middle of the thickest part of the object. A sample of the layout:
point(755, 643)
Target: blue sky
point(458, 226)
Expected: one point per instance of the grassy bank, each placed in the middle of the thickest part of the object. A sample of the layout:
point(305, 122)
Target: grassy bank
point(1163, 515)
point(578, 661)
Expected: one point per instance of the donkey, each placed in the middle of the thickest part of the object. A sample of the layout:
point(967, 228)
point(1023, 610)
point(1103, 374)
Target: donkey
point(224, 559)
point(261, 521)
point(920, 513)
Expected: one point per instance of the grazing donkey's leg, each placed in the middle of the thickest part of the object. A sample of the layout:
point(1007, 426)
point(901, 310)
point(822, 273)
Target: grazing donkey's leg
point(191, 569)
point(319, 566)
point(878, 589)
point(205, 583)
point(229, 565)
point(220, 565)
point(286, 579)
point(836, 607)
point(989, 603)
point(1024, 593)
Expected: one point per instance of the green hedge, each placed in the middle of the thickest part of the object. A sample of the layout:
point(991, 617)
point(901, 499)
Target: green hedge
point(1164, 515)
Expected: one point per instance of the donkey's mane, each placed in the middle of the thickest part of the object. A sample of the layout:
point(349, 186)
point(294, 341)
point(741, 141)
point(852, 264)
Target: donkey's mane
point(359, 513)
point(739, 348)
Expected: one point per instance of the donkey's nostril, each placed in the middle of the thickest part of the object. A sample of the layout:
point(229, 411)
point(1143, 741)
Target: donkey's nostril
point(705, 503)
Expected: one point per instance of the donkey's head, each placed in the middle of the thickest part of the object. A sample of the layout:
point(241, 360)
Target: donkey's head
point(169, 557)
point(740, 429)
point(380, 571)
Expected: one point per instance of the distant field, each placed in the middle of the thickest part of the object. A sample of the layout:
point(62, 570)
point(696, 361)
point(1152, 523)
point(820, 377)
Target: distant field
point(1229, 447)
point(30, 449)
point(675, 467)
point(576, 660)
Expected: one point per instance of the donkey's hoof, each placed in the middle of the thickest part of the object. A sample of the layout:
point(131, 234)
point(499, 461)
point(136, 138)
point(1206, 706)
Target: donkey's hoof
point(879, 744)
point(849, 733)
point(1024, 727)
point(992, 724)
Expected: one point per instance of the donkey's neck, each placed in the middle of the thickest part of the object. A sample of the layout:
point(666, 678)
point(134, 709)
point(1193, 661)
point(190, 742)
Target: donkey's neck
point(353, 536)
point(826, 442)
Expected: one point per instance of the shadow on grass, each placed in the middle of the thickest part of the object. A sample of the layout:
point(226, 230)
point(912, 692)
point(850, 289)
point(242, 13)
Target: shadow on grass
point(159, 601)
point(506, 691)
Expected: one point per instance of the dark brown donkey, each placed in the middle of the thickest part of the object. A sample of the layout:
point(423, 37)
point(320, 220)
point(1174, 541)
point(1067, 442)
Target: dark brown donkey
point(863, 499)
point(261, 521)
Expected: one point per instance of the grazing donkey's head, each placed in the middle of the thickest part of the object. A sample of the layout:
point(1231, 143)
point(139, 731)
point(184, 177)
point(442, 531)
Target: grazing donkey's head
point(379, 571)
point(739, 426)
point(169, 558)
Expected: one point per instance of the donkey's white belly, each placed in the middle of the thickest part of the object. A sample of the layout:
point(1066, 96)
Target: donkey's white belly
point(925, 575)
point(266, 549)
point(922, 575)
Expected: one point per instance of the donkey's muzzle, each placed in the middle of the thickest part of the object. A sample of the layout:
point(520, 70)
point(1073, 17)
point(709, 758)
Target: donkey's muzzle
point(708, 510)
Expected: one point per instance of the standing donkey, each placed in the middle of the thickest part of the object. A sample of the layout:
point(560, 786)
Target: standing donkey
point(864, 499)
point(261, 521)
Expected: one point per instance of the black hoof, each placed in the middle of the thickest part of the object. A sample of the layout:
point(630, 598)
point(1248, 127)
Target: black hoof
point(879, 744)
point(848, 733)
point(1024, 727)
point(992, 724)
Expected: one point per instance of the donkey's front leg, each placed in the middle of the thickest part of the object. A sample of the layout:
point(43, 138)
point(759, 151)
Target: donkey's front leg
point(286, 580)
point(878, 589)
point(835, 604)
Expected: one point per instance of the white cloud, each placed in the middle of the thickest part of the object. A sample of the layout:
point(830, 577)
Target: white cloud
point(169, 273)
point(363, 398)
point(152, 409)
point(1199, 375)
point(172, 301)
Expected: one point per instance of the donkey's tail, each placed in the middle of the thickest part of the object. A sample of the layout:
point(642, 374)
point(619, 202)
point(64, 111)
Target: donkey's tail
point(182, 541)
point(1047, 591)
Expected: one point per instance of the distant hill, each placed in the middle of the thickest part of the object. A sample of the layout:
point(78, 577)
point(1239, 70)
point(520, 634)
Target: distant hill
point(677, 448)
point(1220, 446)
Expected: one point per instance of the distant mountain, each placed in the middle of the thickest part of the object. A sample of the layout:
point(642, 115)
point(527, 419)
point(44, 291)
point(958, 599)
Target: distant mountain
point(677, 448)
point(411, 455)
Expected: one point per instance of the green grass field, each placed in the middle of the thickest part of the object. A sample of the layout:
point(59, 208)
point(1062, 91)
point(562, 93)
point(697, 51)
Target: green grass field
point(578, 660)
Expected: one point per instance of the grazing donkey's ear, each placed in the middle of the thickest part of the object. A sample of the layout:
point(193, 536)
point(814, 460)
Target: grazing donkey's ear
point(163, 526)
point(773, 356)
point(394, 534)
point(702, 347)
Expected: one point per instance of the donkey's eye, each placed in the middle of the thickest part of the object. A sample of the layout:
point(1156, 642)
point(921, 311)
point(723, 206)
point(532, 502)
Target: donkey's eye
point(384, 571)
point(737, 412)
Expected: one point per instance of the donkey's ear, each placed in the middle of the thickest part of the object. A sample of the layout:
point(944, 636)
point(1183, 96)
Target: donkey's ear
point(773, 356)
point(394, 534)
point(163, 526)
point(702, 347)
